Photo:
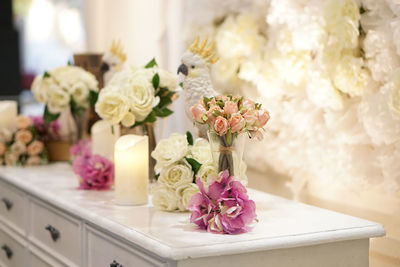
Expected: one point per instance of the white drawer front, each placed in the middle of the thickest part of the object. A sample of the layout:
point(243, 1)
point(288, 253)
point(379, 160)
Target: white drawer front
point(56, 232)
point(12, 254)
point(13, 207)
point(103, 250)
point(40, 259)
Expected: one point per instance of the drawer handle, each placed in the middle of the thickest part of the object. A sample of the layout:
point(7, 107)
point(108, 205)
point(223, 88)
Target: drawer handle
point(8, 251)
point(115, 264)
point(54, 233)
point(8, 203)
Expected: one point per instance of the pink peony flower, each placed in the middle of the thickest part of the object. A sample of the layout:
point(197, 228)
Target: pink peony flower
point(262, 118)
point(198, 111)
point(82, 147)
point(221, 125)
point(237, 123)
point(225, 209)
point(97, 173)
point(51, 132)
point(230, 107)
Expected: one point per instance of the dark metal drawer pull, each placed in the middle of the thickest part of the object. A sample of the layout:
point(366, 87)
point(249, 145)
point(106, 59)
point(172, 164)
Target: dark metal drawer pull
point(115, 264)
point(55, 234)
point(8, 251)
point(8, 203)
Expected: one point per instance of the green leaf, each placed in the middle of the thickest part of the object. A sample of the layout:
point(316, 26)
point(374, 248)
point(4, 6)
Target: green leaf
point(229, 137)
point(49, 117)
point(151, 64)
point(112, 129)
point(362, 10)
point(181, 84)
point(151, 117)
point(162, 112)
point(194, 164)
point(205, 101)
point(93, 96)
point(216, 113)
point(156, 81)
point(162, 91)
point(156, 176)
point(189, 138)
point(46, 75)
point(220, 103)
point(69, 63)
point(75, 109)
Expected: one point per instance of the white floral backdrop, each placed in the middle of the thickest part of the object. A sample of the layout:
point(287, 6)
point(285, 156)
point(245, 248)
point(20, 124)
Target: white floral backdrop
point(328, 71)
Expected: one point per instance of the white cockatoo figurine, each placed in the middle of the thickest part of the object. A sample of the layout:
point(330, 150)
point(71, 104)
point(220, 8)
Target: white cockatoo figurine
point(195, 68)
point(113, 61)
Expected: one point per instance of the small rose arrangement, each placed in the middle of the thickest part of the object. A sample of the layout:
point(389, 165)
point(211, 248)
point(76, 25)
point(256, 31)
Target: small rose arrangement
point(22, 147)
point(227, 117)
point(180, 160)
point(135, 96)
point(224, 208)
point(65, 87)
point(46, 132)
point(95, 172)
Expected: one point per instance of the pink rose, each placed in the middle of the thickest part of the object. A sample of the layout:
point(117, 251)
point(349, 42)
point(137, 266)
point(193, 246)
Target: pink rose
point(237, 123)
point(230, 107)
point(221, 125)
point(198, 111)
point(262, 118)
point(250, 117)
point(210, 112)
point(222, 97)
point(248, 104)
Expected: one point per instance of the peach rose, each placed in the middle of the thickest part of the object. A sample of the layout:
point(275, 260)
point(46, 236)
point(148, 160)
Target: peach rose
point(198, 111)
point(248, 104)
point(24, 136)
point(250, 117)
point(210, 116)
point(18, 148)
point(35, 148)
point(3, 149)
point(222, 97)
point(11, 159)
point(5, 135)
point(33, 160)
point(237, 123)
point(262, 118)
point(230, 107)
point(221, 125)
point(22, 122)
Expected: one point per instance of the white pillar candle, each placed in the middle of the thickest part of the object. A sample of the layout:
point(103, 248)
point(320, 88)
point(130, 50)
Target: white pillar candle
point(131, 161)
point(8, 114)
point(104, 138)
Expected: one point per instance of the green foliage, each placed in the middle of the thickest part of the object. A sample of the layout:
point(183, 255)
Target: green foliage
point(156, 176)
point(217, 113)
point(205, 102)
point(49, 117)
point(194, 164)
point(156, 81)
point(162, 112)
point(46, 75)
point(229, 137)
point(181, 84)
point(220, 103)
point(189, 138)
point(151, 63)
point(75, 109)
point(93, 96)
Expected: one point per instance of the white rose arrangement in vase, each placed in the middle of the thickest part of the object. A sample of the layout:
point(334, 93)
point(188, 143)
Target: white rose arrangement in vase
point(63, 88)
point(137, 97)
point(180, 161)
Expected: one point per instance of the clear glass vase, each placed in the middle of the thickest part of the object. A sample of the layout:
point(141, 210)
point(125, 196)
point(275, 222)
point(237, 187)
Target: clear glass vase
point(227, 156)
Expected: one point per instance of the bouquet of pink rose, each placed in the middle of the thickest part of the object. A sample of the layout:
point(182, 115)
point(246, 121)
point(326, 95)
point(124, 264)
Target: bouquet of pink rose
point(225, 208)
point(95, 172)
point(228, 116)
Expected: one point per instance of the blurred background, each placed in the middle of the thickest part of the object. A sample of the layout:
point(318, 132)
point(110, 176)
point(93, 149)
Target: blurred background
point(340, 155)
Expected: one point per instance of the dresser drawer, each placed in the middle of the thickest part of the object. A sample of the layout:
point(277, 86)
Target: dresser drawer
point(56, 232)
point(41, 259)
point(12, 252)
point(103, 250)
point(13, 207)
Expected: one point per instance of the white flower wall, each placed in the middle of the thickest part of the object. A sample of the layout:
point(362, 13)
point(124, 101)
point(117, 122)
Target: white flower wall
point(328, 72)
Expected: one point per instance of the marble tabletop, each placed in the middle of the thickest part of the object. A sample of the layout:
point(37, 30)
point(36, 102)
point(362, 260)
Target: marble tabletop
point(282, 223)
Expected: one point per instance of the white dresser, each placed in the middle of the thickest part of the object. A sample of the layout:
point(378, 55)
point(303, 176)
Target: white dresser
point(46, 221)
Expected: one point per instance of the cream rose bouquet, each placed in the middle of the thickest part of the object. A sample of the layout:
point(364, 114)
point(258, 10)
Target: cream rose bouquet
point(135, 96)
point(65, 87)
point(23, 146)
point(180, 161)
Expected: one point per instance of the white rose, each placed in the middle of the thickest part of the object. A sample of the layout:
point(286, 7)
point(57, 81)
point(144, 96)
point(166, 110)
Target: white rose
point(175, 175)
point(41, 87)
point(167, 79)
point(164, 198)
point(58, 99)
point(70, 75)
point(207, 173)
point(80, 92)
point(5, 135)
point(11, 159)
point(184, 194)
point(201, 151)
point(112, 105)
point(141, 97)
point(143, 73)
point(170, 150)
point(120, 78)
point(128, 120)
point(18, 148)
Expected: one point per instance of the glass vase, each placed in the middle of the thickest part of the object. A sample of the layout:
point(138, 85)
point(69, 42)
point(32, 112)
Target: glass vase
point(227, 155)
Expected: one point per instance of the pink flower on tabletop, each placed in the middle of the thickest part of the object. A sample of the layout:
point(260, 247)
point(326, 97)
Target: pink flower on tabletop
point(82, 147)
point(3, 149)
point(221, 125)
point(98, 173)
point(230, 107)
point(198, 111)
point(237, 123)
point(262, 118)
